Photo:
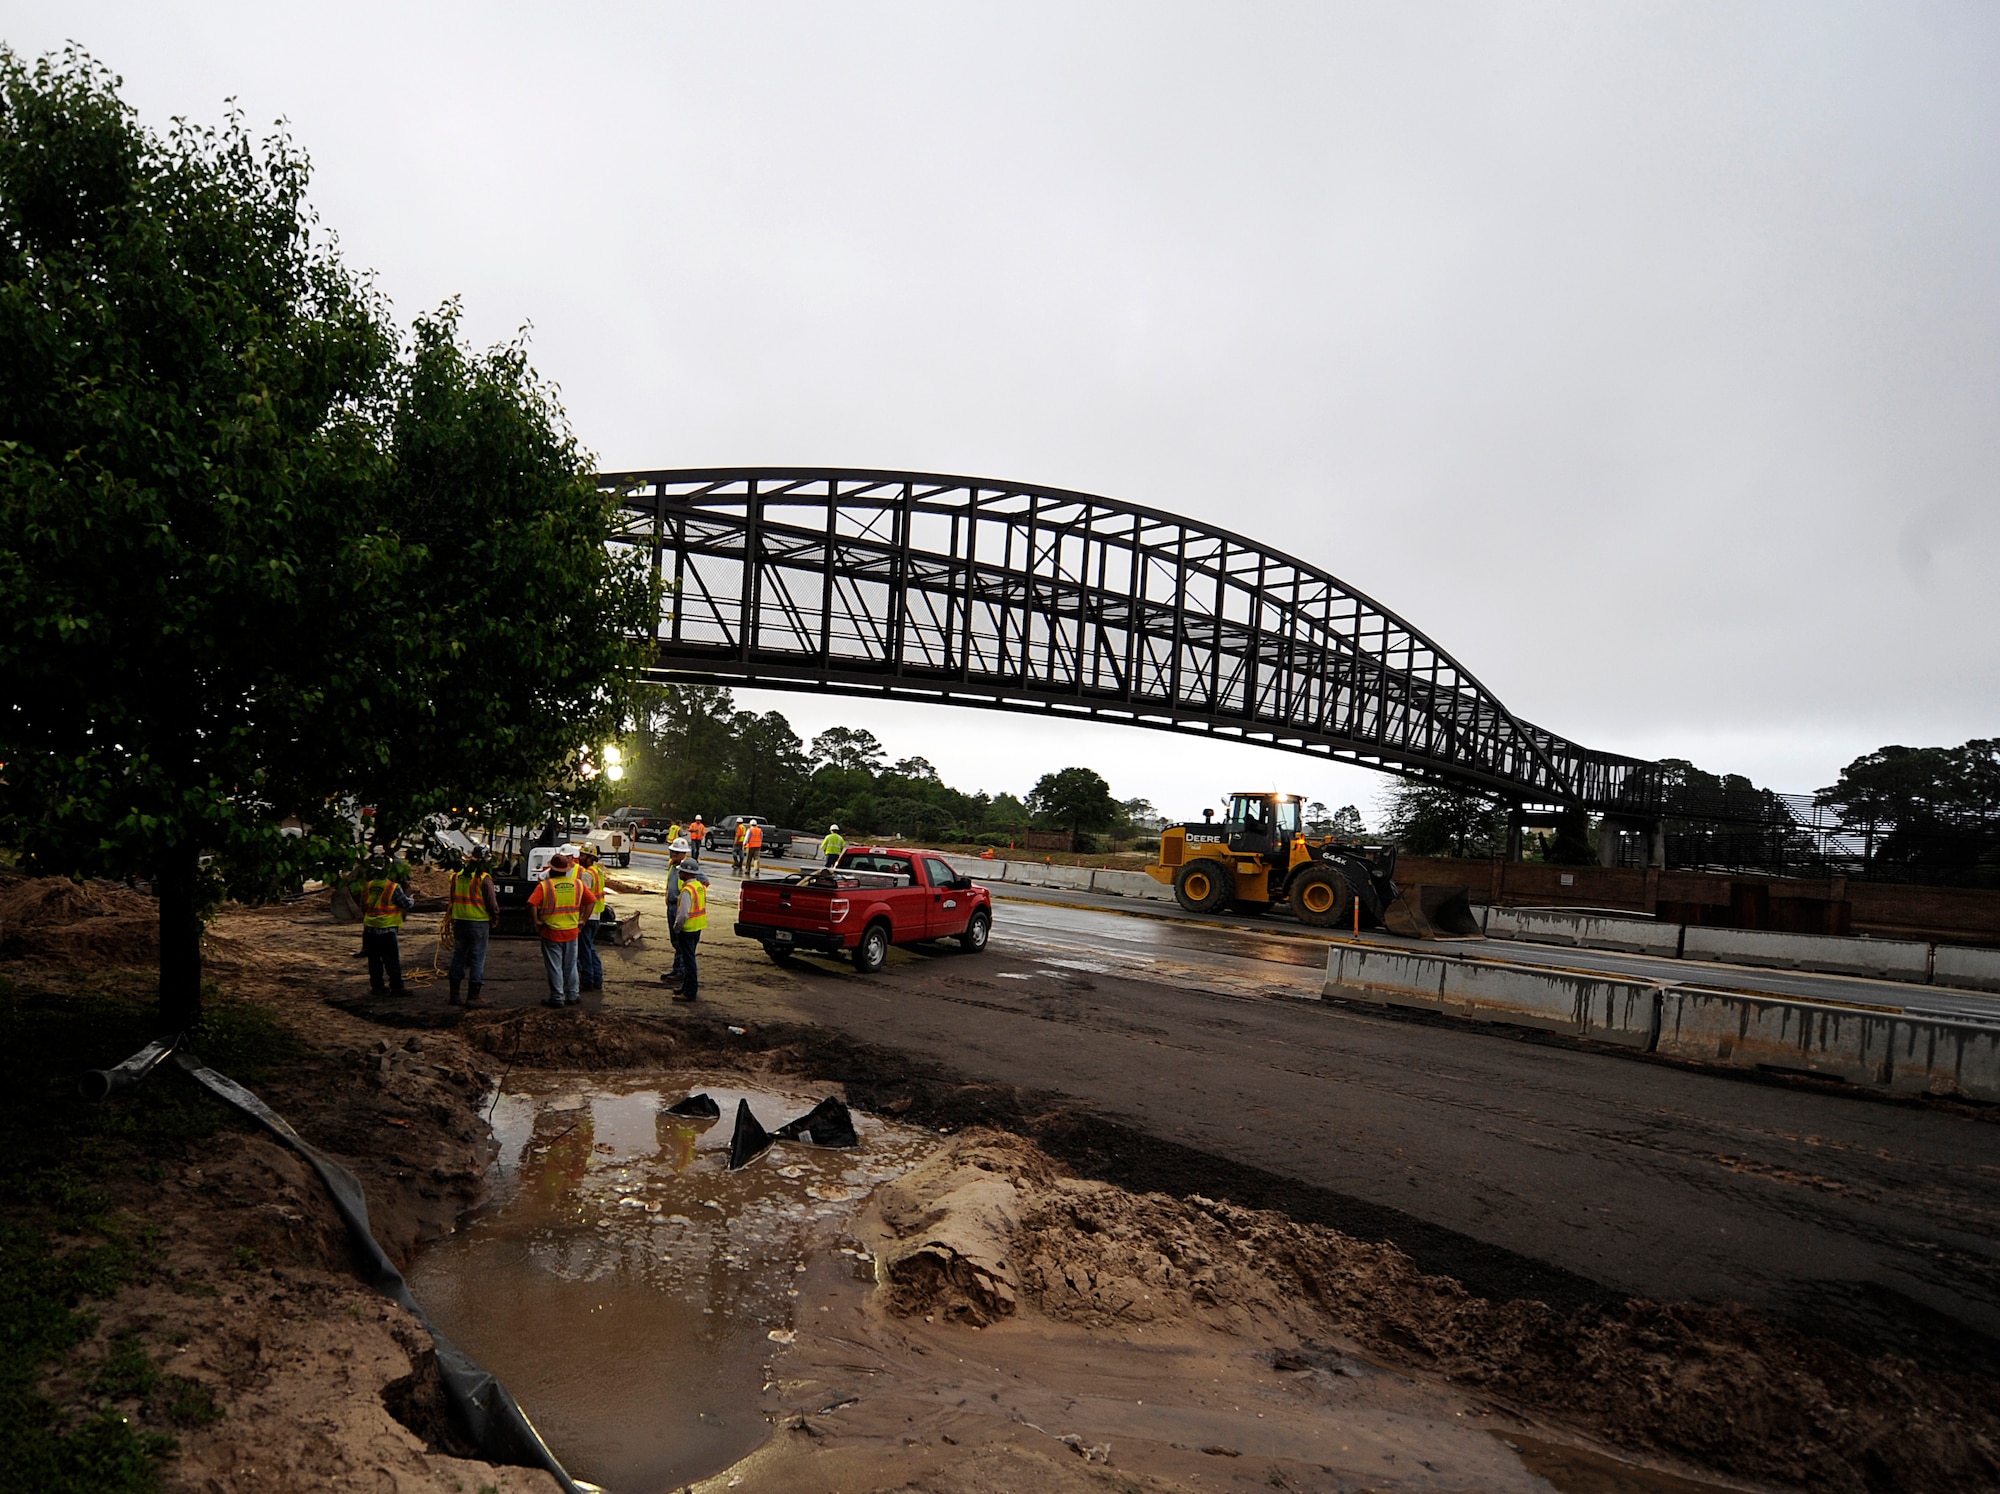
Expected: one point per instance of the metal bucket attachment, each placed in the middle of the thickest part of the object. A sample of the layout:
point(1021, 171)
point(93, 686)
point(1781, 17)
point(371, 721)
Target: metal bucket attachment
point(1431, 913)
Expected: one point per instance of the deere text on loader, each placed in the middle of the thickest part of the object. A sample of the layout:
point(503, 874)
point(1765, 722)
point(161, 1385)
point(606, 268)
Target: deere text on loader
point(1260, 857)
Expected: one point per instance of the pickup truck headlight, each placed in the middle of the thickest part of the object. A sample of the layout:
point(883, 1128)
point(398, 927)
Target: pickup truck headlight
point(837, 909)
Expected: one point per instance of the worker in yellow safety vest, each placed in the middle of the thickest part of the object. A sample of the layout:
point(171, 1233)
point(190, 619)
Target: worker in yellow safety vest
point(687, 917)
point(384, 901)
point(589, 968)
point(832, 845)
point(559, 904)
point(475, 908)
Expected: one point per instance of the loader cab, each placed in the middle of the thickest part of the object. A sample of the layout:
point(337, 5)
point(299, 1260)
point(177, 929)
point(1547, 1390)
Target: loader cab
point(1263, 825)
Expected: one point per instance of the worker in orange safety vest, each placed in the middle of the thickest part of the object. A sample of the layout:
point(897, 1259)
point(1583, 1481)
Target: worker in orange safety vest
point(384, 901)
point(559, 905)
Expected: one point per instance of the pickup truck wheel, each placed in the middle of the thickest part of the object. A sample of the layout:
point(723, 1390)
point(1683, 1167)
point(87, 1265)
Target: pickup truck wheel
point(872, 953)
point(974, 938)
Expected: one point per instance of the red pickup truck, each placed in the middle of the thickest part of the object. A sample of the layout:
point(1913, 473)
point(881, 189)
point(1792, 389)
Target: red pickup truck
point(868, 901)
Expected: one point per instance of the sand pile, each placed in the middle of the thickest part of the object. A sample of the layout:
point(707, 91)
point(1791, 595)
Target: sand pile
point(53, 918)
point(990, 1224)
point(957, 1219)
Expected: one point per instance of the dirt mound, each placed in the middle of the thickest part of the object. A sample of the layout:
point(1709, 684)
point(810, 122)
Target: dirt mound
point(991, 1217)
point(543, 1039)
point(53, 918)
point(957, 1218)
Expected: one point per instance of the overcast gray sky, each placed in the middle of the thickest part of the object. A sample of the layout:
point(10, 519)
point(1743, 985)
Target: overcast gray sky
point(1646, 356)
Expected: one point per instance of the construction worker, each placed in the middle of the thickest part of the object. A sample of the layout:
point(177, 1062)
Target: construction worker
point(475, 908)
point(753, 849)
point(832, 845)
point(736, 854)
point(679, 870)
point(589, 968)
point(384, 901)
point(673, 832)
point(687, 914)
point(559, 905)
point(697, 833)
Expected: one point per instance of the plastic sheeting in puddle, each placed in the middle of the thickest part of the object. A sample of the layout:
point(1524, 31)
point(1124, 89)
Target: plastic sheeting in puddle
point(627, 1286)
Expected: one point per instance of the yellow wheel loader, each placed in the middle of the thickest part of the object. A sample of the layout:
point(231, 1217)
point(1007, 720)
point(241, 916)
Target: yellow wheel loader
point(1260, 858)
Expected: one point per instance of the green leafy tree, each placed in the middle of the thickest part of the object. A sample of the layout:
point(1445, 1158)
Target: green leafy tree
point(850, 749)
point(684, 750)
point(769, 764)
point(513, 628)
point(239, 576)
point(1075, 799)
point(1007, 815)
point(1928, 810)
point(1428, 819)
point(1136, 817)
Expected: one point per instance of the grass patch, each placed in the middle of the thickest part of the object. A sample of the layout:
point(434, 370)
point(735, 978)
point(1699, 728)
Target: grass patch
point(63, 1247)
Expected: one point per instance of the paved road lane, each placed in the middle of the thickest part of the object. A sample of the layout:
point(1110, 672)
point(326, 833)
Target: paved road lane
point(1805, 985)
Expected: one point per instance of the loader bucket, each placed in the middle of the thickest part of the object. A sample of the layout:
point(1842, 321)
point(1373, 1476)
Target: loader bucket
point(1431, 913)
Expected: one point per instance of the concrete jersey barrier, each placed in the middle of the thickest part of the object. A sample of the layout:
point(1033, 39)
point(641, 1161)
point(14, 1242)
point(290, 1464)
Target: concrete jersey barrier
point(1883, 1049)
point(1584, 930)
point(1967, 969)
point(1885, 959)
point(1911, 961)
point(1113, 881)
point(1573, 1002)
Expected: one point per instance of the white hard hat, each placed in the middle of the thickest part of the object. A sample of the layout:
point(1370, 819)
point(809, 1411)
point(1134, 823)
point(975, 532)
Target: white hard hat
point(831, 828)
point(680, 844)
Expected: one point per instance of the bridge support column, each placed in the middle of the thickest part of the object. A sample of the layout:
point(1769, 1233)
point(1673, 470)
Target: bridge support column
point(1656, 844)
point(1607, 841)
point(1516, 819)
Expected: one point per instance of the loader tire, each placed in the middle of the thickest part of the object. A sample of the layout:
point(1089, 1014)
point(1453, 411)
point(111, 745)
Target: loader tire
point(1320, 896)
point(1203, 886)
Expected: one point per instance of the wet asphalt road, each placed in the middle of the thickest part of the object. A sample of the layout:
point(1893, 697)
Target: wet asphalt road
point(1973, 1006)
point(1278, 937)
point(1879, 1221)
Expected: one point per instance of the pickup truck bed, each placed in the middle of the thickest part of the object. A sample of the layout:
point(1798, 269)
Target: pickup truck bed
point(869, 901)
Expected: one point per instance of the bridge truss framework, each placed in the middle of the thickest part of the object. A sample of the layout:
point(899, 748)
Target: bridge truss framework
point(1005, 596)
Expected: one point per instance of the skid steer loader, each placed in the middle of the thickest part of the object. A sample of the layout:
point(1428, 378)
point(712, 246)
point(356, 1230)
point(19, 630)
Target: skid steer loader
point(1260, 858)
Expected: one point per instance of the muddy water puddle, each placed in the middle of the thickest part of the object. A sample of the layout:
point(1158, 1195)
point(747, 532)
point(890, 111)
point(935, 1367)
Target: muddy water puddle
point(626, 1287)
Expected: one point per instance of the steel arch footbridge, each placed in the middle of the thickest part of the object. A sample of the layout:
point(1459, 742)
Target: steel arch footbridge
point(973, 592)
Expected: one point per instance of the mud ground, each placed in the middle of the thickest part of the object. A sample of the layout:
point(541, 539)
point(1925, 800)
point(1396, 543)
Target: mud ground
point(1029, 1295)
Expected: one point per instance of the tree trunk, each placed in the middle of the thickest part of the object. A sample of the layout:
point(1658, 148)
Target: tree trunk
point(180, 944)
